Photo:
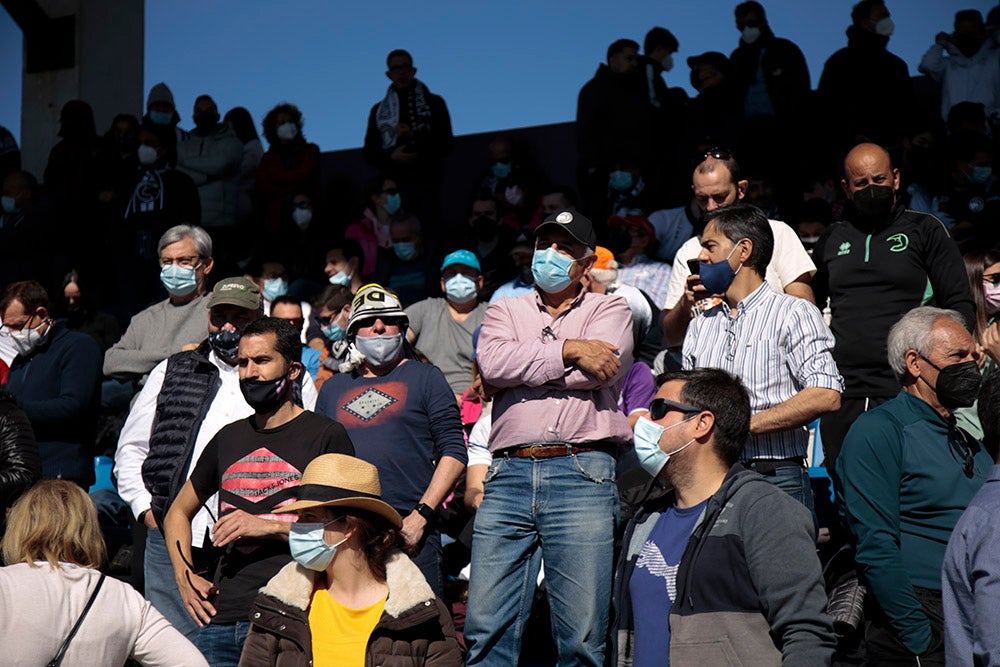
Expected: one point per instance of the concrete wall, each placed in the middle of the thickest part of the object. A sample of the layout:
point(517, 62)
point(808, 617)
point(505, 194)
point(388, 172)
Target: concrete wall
point(107, 74)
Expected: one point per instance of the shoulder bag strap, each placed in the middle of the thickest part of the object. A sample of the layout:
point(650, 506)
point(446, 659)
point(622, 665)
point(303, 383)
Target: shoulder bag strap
point(56, 661)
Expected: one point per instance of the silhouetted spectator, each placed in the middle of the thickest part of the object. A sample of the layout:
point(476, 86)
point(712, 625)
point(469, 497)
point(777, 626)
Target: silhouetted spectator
point(559, 198)
point(670, 113)
point(865, 89)
point(383, 203)
point(82, 314)
point(491, 241)
point(515, 182)
point(10, 154)
point(162, 112)
point(965, 66)
point(408, 137)
point(242, 123)
point(117, 157)
point(25, 237)
point(715, 117)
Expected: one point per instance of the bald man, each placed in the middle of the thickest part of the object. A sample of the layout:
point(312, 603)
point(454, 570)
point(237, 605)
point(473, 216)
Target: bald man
point(874, 267)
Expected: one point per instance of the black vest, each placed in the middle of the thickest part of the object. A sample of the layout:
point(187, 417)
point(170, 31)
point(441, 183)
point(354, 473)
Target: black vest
point(189, 387)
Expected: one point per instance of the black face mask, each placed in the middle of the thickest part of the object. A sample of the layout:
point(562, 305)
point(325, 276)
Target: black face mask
point(957, 385)
point(206, 121)
point(264, 395)
point(225, 343)
point(874, 203)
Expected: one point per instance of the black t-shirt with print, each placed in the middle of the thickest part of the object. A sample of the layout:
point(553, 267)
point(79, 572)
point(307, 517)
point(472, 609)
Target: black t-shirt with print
point(257, 470)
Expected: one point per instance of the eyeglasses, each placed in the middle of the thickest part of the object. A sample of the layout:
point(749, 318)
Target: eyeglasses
point(659, 408)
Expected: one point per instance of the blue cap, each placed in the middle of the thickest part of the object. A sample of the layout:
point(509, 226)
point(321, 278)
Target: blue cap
point(463, 257)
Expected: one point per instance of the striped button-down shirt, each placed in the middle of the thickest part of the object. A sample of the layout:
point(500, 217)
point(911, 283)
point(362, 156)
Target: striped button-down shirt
point(778, 345)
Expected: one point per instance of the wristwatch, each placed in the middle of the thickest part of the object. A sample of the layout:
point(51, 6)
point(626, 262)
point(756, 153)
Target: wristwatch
point(424, 510)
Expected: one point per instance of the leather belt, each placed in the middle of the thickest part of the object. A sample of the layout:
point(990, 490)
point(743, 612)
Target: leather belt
point(769, 467)
point(540, 450)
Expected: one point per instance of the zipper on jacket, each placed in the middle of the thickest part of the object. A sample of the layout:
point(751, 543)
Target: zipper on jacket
point(868, 247)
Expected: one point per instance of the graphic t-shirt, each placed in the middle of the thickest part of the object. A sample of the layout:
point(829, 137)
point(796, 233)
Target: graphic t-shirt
point(401, 422)
point(340, 634)
point(653, 586)
point(257, 471)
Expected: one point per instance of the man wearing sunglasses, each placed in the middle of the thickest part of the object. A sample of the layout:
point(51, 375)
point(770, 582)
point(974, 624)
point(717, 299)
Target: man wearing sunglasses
point(778, 345)
point(907, 472)
point(722, 554)
point(555, 360)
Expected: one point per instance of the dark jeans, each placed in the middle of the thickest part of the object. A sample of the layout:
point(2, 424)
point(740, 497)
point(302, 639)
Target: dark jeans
point(429, 560)
point(884, 650)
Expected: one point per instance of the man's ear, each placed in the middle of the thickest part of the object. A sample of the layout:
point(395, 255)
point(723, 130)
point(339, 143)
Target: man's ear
point(704, 424)
point(741, 189)
point(910, 360)
point(294, 370)
point(843, 186)
point(42, 312)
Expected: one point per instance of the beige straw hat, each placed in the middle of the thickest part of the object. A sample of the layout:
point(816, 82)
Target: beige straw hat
point(338, 480)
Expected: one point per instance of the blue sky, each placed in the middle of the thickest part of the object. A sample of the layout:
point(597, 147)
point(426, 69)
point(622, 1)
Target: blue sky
point(498, 65)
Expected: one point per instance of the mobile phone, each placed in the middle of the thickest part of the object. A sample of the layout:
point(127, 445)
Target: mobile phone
point(694, 266)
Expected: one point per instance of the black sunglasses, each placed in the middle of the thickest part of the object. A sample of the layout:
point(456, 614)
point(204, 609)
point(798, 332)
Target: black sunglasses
point(716, 152)
point(659, 408)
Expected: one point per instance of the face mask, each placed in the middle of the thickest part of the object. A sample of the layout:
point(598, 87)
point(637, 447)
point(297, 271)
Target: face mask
point(980, 175)
point(620, 180)
point(302, 217)
point(146, 154)
point(957, 385)
point(513, 195)
point(161, 117)
point(647, 436)
point(667, 62)
point(992, 295)
point(206, 121)
point(808, 240)
point(333, 332)
point(225, 343)
point(885, 27)
point(264, 395)
point(309, 549)
point(275, 287)
point(179, 280)
point(287, 131)
point(875, 202)
point(750, 34)
point(460, 288)
point(393, 203)
point(405, 250)
point(719, 276)
point(8, 204)
point(379, 351)
point(551, 270)
point(340, 278)
point(500, 169)
point(27, 340)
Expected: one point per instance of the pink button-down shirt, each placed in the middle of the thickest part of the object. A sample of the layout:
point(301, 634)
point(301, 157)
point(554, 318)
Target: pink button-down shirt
point(541, 399)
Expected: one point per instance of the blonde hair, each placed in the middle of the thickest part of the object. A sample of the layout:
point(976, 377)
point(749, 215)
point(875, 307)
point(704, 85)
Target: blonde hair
point(54, 521)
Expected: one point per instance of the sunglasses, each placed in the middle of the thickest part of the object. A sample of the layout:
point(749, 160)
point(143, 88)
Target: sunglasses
point(716, 152)
point(659, 408)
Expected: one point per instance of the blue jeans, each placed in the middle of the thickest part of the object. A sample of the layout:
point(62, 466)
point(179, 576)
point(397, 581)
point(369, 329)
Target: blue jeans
point(563, 509)
point(222, 644)
point(428, 559)
point(161, 589)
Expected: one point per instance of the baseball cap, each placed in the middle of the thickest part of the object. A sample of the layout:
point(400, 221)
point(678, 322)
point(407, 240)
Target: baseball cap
point(236, 292)
point(463, 257)
point(713, 58)
point(373, 301)
point(637, 221)
point(574, 224)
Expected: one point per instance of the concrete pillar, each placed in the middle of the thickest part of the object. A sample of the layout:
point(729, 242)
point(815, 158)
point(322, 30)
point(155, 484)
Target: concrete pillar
point(107, 73)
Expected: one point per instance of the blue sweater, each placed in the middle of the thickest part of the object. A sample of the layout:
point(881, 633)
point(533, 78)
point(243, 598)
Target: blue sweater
point(58, 387)
point(402, 423)
point(905, 488)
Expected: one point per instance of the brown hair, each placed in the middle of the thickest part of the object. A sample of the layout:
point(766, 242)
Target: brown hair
point(377, 537)
point(28, 293)
point(976, 263)
point(54, 521)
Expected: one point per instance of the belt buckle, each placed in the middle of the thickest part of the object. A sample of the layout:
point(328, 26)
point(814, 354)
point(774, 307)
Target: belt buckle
point(532, 448)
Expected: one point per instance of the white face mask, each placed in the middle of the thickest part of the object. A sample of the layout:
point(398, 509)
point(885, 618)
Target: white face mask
point(751, 35)
point(26, 340)
point(667, 62)
point(146, 154)
point(380, 351)
point(885, 27)
point(302, 217)
point(287, 131)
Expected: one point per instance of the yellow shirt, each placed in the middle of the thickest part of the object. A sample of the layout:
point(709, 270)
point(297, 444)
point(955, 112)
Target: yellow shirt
point(340, 634)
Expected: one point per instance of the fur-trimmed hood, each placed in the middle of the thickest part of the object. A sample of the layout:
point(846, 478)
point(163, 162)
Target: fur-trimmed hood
point(294, 585)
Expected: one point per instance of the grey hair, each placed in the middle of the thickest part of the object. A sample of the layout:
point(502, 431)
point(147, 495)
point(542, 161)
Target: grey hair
point(202, 241)
point(913, 332)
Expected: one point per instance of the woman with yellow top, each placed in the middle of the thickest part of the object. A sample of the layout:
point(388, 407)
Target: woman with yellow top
point(350, 597)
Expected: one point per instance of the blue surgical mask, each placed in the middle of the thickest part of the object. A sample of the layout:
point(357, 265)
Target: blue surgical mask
point(981, 174)
point(161, 117)
point(340, 278)
point(380, 351)
point(646, 439)
point(501, 169)
point(8, 205)
point(550, 269)
point(309, 549)
point(179, 280)
point(275, 287)
point(393, 203)
point(719, 276)
point(620, 180)
point(460, 288)
point(333, 332)
point(405, 250)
